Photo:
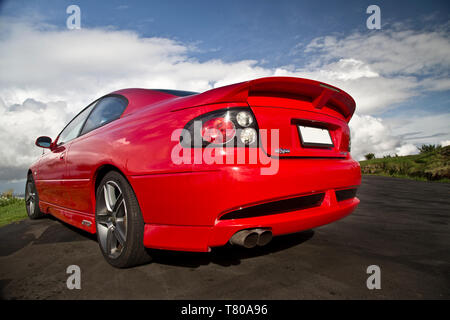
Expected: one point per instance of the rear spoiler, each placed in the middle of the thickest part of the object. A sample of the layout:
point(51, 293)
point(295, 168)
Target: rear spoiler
point(318, 93)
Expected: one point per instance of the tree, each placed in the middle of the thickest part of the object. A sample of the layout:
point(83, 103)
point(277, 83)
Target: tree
point(426, 148)
point(369, 156)
point(8, 194)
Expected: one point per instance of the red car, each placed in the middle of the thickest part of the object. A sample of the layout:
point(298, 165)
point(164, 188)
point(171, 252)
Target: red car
point(189, 171)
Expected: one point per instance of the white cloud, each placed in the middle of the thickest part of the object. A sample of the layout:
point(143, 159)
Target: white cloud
point(406, 150)
point(420, 129)
point(391, 51)
point(382, 69)
point(372, 135)
point(79, 65)
point(372, 92)
point(399, 135)
point(445, 143)
point(20, 124)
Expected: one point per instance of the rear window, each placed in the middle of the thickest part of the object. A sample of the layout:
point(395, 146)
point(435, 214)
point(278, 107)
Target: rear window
point(178, 93)
point(107, 109)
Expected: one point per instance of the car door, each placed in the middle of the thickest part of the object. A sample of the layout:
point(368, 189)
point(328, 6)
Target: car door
point(87, 152)
point(51, 172)
point(52, 166)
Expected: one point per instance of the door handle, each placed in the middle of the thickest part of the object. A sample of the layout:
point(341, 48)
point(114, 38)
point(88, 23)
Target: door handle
point(62, 155)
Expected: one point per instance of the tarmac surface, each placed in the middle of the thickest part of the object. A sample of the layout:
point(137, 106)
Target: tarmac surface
point(402, 226)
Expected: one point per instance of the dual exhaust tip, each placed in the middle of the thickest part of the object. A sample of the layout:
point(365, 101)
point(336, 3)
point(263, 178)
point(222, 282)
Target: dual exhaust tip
point(250, 238)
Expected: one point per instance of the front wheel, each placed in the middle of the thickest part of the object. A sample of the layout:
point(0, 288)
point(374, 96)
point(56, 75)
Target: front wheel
point(32, 199)
point(119, 222)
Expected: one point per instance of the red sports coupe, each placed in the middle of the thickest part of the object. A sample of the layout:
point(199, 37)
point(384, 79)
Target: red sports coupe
point(188, 171)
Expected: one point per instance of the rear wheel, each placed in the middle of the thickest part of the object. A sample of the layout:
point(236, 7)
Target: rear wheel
point(32, 199)
point(119, 222)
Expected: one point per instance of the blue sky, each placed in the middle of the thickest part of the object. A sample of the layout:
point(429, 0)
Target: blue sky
point(399, 75)
point(235, 29)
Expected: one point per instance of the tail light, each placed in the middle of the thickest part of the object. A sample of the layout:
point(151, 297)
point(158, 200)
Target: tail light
point(218, 130)
point(231, 127)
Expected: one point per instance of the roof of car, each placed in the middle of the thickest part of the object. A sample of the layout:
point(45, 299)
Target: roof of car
point(138, 97)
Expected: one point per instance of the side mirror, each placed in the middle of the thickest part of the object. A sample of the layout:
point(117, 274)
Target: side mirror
point(44, 142)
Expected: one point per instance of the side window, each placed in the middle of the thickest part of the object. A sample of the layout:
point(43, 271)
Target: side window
point(72, 130)
point(108, 109)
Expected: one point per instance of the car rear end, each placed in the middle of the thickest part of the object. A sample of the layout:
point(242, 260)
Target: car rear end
point(304, 176)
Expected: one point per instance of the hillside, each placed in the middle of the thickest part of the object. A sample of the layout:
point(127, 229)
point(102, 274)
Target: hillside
point(431, 166)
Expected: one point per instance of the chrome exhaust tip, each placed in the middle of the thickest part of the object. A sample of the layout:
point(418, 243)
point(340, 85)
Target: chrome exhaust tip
point(245, 238)
point(251, 238)
point(264, 236)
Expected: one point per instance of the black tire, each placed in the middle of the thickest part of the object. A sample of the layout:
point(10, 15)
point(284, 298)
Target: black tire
point(120, 232)
point(32, 199)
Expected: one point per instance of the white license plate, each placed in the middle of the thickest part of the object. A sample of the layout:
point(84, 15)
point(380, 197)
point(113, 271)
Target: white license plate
point(315, 137)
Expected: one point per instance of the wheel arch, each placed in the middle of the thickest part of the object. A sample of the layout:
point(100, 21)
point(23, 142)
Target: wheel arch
point(99, 174)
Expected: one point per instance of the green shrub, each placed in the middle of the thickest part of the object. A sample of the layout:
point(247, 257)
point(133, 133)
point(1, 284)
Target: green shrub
point(9, 201)
point(427, 148)
point(11, 210)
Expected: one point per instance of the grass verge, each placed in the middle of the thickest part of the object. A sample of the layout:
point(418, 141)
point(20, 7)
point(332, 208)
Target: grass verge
point(11, 210)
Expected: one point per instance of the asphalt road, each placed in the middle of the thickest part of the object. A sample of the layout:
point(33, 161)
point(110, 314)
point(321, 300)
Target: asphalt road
point(402, 226)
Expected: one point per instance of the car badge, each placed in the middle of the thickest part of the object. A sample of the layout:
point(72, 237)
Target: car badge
point(282, 151)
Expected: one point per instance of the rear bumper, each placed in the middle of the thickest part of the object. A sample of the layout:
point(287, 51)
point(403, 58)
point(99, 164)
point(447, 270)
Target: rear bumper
point(182, 210)
point(201, 239)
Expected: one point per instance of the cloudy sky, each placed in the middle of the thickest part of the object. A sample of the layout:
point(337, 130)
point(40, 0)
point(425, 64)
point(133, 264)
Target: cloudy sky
point(398, 75)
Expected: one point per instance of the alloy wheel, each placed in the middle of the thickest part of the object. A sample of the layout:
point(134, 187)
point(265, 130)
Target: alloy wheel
point(30, 197)
point(112, 220)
